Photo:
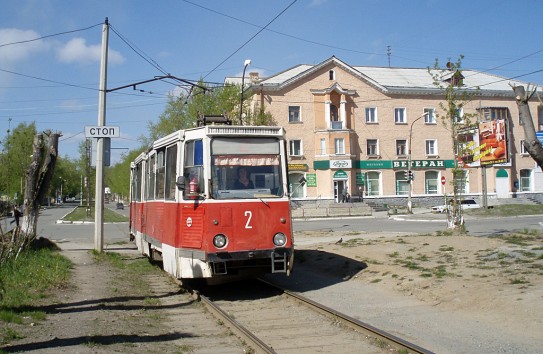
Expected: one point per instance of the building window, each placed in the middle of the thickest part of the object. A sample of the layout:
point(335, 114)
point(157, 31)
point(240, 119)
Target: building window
point(401, 147)
point(323, 146)
point(430, 117)
point(339, 145)
point(522, 149)
point(294, 115)
point(334, 117)
point(371, 115)
point(372, 147)
point(331, 75)
point(295, 147)
point(459, 116)
point(399, 116)
point(462, 182)
point(295, 185)
point(402, 186)
point(430, 182)
point(524, 183)
point(373, 183)
point(431, 147)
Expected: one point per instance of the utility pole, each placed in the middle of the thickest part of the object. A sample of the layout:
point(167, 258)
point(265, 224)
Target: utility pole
point(99, 199)
point(389, 52)
point(409, 172)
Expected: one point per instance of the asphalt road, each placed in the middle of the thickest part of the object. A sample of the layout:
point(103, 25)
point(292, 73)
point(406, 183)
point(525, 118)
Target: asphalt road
point(422, 222)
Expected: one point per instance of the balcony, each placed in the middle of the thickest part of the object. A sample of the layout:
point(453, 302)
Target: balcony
point(336, 125)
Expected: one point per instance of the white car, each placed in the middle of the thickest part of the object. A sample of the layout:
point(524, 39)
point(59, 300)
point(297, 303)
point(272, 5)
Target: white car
point(466, 204)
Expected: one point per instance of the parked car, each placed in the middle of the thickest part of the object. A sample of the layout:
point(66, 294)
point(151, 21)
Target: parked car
point(466, 204)
point(119, 206)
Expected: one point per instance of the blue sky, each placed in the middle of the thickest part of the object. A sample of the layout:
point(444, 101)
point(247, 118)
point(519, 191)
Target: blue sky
point(54, 81)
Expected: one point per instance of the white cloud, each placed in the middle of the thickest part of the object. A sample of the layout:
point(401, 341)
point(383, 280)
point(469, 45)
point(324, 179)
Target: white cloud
point(77, 51)
point(10, 53)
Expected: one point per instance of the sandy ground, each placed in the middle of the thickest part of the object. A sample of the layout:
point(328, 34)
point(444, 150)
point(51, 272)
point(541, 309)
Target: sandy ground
point(498, 281)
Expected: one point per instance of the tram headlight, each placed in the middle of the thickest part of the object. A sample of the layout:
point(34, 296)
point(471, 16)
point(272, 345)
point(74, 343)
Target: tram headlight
point(220, 241)
point(279, 239)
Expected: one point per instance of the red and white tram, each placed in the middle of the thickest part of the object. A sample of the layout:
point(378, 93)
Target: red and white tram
point(188, 207)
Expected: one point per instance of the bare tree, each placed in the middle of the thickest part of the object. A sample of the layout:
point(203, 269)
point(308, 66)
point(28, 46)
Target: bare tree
point(531, 143)
point(38, 179)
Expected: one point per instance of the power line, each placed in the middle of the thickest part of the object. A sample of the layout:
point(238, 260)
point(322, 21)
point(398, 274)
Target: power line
point(138, 51)
point(47, 80)
point(48, 36)
point(250, 39)
point(279, 33)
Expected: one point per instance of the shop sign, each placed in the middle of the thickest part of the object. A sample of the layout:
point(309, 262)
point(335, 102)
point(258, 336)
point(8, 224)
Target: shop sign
point(341, 164)
point(311, 179)
point(360, 179)
point(298, 167)
point(419, 164)
point(340, 174)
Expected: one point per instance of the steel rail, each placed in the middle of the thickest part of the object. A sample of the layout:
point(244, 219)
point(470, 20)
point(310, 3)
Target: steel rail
point(353, 323)
point(251, 340)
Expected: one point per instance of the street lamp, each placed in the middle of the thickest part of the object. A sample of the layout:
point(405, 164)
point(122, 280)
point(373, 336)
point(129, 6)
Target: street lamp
point(245, 65)
point(409, 189)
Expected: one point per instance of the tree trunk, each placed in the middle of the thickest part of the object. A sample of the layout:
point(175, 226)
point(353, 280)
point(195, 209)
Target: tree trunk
point(38, 178)
point(531, 143)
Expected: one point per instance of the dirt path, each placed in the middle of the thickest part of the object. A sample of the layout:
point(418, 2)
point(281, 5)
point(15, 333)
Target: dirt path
point(106, 310)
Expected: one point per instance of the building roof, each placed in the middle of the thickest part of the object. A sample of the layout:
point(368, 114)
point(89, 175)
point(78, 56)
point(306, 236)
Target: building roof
point(397, 80)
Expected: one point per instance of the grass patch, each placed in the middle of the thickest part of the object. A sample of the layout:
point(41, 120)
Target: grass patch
point(29, 278)
point(80, 214)
point(507, 210)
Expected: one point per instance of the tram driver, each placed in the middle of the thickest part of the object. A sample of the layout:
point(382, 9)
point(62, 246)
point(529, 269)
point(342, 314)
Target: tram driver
point(243, 181)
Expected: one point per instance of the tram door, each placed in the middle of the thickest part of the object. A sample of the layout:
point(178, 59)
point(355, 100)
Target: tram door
point(338, 189)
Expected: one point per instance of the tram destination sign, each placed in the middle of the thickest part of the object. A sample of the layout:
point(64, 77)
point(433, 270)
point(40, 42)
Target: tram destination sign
point(102, 131)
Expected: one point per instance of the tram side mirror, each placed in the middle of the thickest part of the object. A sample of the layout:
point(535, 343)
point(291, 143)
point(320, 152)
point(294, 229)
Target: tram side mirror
point(180, 183)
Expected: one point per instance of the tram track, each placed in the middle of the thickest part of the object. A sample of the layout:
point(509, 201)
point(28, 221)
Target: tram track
point(275, 320)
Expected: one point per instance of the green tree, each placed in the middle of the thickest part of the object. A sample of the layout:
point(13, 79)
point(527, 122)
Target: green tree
point(15, 158)
point(182, 112)
point(450, 82)
point(117, 177)
point(67, 178)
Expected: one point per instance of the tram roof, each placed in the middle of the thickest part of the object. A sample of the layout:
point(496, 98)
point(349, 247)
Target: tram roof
point(219, 130)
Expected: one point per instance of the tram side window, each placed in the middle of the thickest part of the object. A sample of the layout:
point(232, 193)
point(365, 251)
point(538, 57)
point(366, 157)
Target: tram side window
point(171, 167)
point(160, 173)
point(193, 170)
point(150, 176)
point(136, 183)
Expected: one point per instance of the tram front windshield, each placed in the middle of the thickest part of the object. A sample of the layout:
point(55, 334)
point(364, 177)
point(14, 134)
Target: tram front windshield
point(246, 168)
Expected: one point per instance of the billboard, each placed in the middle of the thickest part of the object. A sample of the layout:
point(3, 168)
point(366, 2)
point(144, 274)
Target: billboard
point(484, 145)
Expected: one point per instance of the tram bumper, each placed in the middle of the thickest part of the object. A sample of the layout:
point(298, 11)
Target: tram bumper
point(277, 260)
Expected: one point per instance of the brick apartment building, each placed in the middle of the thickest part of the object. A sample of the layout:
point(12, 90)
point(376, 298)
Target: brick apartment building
point(351, 128)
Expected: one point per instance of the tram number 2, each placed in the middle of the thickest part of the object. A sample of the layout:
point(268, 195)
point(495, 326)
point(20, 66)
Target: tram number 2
point(249, 216)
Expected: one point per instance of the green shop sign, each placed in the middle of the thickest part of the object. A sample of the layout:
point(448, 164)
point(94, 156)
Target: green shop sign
point(311, 179)
point(360, 179)
point(389, 164)
point(340, 174)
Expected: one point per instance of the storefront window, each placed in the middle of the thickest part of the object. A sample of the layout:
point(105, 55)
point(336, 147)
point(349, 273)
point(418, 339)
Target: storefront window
point(462, 182)
point(525, 176)
point(402, 186)
point(430, 182)
point(374, 185)
point(296, 187)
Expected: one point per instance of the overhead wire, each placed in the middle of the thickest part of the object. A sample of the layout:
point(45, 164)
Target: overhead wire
point(138, 51)
point(250, 39)
point(49, 36)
